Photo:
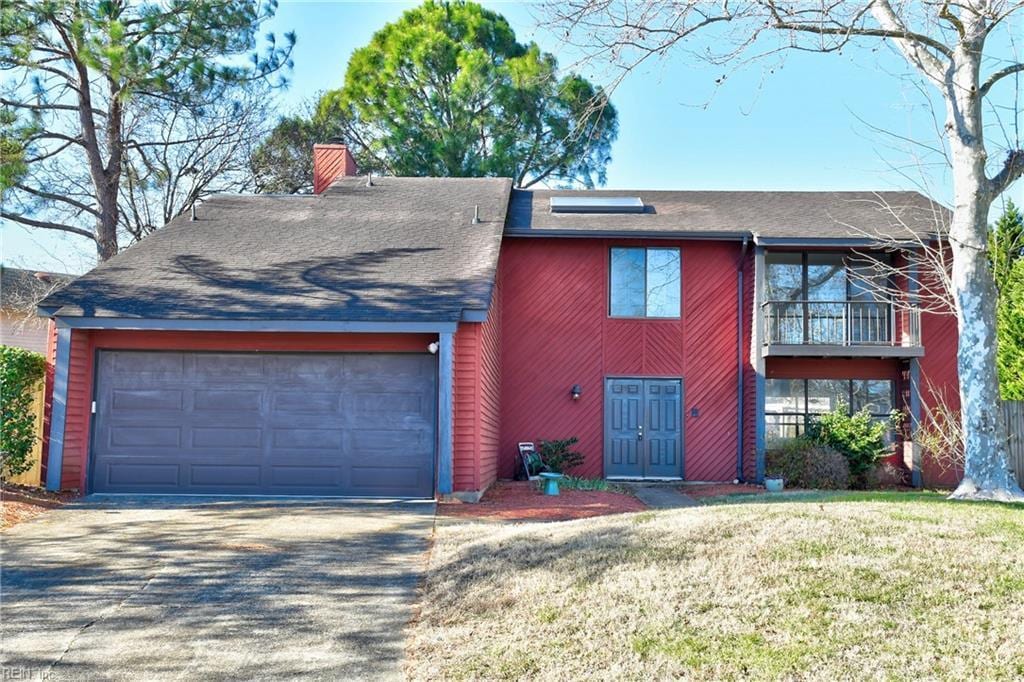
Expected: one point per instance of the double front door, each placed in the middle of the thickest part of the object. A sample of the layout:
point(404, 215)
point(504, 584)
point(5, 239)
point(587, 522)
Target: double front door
point(643, 428)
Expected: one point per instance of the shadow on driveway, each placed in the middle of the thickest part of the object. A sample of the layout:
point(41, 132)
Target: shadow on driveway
point(205, 588)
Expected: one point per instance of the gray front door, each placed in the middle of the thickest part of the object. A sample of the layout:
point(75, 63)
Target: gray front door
point(643, 428)
point(265, 423)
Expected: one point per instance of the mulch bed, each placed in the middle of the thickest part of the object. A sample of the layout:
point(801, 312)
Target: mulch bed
point(699, 490)
point(22, 502)
point(521, 501)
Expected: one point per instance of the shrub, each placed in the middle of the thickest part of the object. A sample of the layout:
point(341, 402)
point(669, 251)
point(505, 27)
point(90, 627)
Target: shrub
point(857, 436)
point(574, 483)
point(20, 372)
point(802, 463)
point(940, 433)
point(559, 456)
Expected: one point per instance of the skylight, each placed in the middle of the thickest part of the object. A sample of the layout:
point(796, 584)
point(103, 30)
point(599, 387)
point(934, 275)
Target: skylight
point(605, 204)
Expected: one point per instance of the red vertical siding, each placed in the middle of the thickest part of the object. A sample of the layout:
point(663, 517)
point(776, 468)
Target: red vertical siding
point(330, 162)
point(832, 368)
point(556, 333)
point(710, 331)
point(477, 401)
point(84, 345)
point(77, 416)
point(939, 378)
point(466, 401)
point(554, 336)
point(490, 387)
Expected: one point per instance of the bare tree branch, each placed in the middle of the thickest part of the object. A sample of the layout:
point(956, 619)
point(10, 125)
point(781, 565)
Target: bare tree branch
point(997, 76)
point(45, 224)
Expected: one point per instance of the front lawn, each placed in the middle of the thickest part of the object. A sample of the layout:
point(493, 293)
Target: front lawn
point(828, 586)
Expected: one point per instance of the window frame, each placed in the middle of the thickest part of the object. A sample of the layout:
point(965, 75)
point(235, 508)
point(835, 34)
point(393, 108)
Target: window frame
point(608, 280)
point(849, 258)
point(801, 420)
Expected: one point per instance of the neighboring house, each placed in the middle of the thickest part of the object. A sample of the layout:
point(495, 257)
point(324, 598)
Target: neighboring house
point(20, 291)
point(399, 336)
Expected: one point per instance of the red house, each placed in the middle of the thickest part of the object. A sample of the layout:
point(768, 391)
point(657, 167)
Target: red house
point(399, 336)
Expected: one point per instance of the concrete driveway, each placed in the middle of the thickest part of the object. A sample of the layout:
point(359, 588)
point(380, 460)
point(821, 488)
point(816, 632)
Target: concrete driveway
point(175, 588)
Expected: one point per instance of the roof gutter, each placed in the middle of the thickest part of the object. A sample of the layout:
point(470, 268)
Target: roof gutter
point(829, 241)
point(312, 326)
point(630, 234)
point(739, 360)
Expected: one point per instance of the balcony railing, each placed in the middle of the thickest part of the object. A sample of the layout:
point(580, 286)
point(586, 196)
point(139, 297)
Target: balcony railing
point(840, 323)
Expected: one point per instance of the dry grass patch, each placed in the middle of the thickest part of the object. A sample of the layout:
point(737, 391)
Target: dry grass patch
point(833, 587)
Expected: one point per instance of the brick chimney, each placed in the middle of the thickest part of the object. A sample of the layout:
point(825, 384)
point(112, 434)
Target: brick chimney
point(330, 162)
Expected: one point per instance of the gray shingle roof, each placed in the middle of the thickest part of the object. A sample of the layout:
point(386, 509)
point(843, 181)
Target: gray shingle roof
point(23, 289)
point(772, 215)
point(404, 249)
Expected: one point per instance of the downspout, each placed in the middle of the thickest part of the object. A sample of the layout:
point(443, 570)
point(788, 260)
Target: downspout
point(739, 362)
point(58, 410)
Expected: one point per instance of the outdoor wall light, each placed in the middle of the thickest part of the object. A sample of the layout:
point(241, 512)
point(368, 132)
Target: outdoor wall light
point(576, 391)
point(432, 347)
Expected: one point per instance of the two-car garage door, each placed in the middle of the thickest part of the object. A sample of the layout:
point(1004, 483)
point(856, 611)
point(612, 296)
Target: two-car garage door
point(265, 423)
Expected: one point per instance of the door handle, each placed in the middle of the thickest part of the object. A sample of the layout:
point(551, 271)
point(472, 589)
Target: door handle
point(640, 433)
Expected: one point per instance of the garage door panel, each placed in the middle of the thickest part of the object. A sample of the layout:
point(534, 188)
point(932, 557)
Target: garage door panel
point(307, 439)
point(380, 478)
point(166, 364)
point(305, 475)
point(135, 473)
point(291, 424)
point(224, 475)
point(210, 437)
point(224, 365)
point(127, 400)
point(314, 369)
point(228, 400)
point(392, 440)
point(306, 402)
point(383, 368)
point(149, 436)
point(397, 404)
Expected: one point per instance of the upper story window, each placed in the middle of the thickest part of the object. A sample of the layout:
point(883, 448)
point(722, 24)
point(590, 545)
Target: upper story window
point(825, 277)
point(826, 298)
point(645, 282)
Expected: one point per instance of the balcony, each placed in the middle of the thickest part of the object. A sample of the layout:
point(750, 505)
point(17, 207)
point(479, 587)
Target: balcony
point(840, 328)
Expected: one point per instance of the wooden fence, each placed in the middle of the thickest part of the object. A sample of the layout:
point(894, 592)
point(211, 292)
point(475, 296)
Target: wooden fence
point(1013, 413)
point(34, 475)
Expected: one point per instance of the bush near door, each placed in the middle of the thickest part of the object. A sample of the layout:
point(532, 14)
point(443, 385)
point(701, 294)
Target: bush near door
point(859, 437)
point(20, 373)
point(559, 456)
point(802, 463)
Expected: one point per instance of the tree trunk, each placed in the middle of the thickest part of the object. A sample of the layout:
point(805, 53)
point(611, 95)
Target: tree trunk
point(106, 224)
point(986, 461)
point(986, 455)
point(106, 236)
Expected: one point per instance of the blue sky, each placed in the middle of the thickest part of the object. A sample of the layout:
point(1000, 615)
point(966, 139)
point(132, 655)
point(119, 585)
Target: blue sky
point(809, 125)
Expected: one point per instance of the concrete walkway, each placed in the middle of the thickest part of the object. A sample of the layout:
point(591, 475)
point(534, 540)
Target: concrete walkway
point(174, 588)
point(663, 496)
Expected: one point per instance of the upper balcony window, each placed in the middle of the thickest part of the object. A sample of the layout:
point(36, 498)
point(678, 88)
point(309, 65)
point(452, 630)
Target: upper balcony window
point(826, 299)
point(645, 282)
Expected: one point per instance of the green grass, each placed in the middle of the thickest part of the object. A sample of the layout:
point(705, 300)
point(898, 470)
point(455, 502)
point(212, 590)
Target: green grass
point(847, 585)
point(823, 496)
point(748, 651)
